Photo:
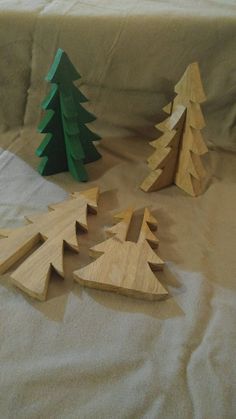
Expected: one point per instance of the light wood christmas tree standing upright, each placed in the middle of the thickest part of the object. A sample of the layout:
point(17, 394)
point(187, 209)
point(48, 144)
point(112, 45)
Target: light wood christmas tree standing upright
point(177, 158)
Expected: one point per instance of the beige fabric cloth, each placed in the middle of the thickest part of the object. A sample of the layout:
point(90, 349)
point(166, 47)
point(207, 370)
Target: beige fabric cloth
point(92, 354)
point(130, 54)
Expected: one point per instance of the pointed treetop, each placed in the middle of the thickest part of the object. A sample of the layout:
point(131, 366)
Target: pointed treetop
point(125, 215)
point(62, 69)
point(190, 85)
point(116, 234)
point(120, 230)
point(91, 196)
point(149, 224)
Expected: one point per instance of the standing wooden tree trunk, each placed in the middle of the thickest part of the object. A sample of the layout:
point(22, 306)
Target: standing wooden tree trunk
point(177, 158)
point(123, 266)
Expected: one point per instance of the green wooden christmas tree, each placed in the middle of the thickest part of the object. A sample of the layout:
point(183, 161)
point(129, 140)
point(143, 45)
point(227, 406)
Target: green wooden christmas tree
point(68, 143)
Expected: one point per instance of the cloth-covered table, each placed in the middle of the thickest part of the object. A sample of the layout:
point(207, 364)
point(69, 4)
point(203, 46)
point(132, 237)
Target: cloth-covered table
point(92, 354)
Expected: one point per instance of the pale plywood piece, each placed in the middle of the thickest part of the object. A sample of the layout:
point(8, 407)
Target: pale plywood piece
point(152, 181)
point(185, 183)
point(121, 229)
point(126, 272)
point(190, 173)
point(126, 267)
point(164, 160)
point(149, 224)
point(191, 184)
point(196, 142)
point(16, 245)
point(163, 125)
point(161, 177)
point(177, 118)
point(160, 157)
point(195, 116)
point(174, 121)
point(183, 166)
point(199, 171)
point(56, 228)
point(166, 140)
point(117, 233)
point(190, 86)
point(91, 197)
point(33, 275)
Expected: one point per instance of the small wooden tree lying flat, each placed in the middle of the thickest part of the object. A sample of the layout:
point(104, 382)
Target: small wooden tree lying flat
point(55, 228)
point(177, 156)
point(126, 267)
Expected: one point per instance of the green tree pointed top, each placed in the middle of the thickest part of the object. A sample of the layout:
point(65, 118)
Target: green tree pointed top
point(62, 70)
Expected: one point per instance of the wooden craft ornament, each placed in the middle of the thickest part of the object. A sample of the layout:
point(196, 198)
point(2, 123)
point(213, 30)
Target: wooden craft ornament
point(68, 144)
point(177, 158)
point(123, 266)
point(55, 228)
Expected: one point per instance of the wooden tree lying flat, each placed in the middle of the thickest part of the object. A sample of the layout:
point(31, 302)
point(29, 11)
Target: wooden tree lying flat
point(56, 228)
point(126, 267)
